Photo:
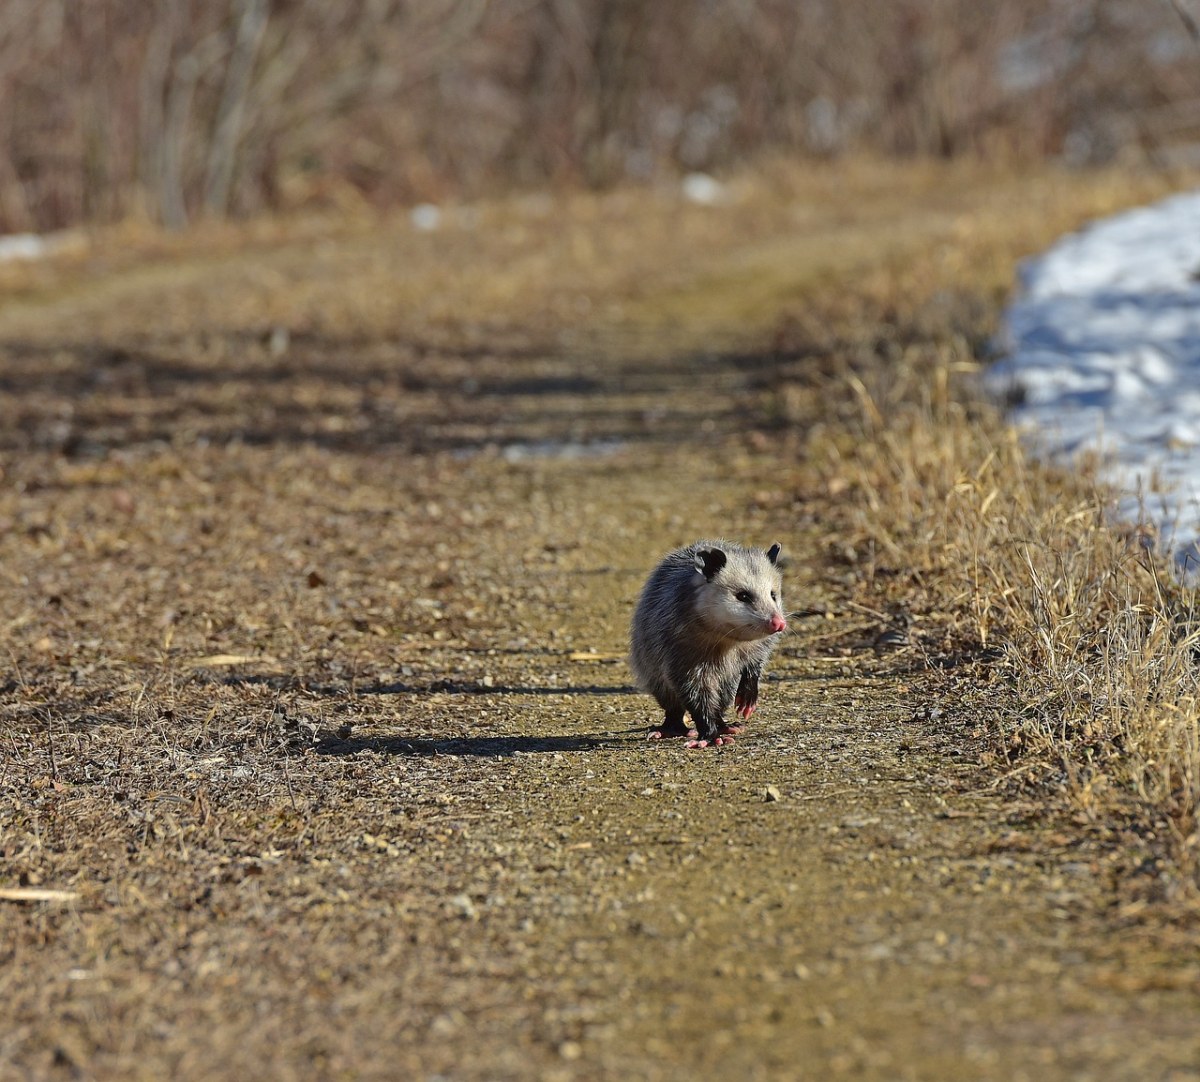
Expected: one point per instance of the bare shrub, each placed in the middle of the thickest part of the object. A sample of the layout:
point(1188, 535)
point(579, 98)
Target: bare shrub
point(181, 108)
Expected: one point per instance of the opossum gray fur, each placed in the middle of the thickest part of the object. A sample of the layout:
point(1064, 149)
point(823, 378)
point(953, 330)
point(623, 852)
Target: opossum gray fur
point(705, 624)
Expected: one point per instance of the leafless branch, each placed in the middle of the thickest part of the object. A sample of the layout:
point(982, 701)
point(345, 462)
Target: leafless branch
point(235, 105)
point(252, 22)
point(1188, 18)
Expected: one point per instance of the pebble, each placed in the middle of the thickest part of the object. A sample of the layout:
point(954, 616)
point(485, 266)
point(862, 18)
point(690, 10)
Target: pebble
point(462, 906)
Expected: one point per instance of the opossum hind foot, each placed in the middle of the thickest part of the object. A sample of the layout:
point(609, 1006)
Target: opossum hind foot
point(724, 735)
point(670, 728)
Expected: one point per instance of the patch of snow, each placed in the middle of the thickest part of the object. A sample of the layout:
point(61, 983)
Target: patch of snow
point(17, 246)
point(425, 217)
point(1103, 355)
point(26, 247)
point(703, 189)
point(569, 450)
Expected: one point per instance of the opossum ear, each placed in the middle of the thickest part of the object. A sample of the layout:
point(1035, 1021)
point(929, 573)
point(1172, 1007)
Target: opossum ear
point(773, 552)
point(710, 561)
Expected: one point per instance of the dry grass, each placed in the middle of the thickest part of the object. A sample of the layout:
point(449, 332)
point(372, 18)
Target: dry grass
point(1018, 565)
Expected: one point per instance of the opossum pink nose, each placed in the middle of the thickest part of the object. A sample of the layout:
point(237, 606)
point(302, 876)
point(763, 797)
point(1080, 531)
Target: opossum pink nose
point(778, 623)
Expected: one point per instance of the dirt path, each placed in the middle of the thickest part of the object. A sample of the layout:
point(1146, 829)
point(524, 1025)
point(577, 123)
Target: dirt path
point(318, 707)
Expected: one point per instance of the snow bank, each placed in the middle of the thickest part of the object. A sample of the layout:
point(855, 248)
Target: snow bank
point(21, 246)
point(28, 247)
point(1103, 355)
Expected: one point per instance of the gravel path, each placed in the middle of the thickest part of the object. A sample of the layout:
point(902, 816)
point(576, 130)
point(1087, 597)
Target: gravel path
point(319, 711)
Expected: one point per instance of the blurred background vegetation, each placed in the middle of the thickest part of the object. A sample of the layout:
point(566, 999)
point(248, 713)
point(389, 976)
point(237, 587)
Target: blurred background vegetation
point(177, 109)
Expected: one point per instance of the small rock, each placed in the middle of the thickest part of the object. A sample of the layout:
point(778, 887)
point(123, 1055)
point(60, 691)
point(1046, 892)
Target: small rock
point(462, 906)
point(771, 794)
point(570, 1050)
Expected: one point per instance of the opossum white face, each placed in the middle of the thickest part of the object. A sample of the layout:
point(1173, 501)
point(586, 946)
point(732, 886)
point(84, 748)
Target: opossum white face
point(741, 597)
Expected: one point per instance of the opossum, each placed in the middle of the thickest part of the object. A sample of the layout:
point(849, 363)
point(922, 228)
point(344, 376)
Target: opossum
point(705, 625)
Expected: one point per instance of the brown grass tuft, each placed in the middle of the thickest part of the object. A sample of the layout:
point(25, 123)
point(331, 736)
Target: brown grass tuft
point(1015, 564)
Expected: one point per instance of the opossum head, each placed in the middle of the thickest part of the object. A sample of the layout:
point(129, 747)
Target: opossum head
point(741, 597)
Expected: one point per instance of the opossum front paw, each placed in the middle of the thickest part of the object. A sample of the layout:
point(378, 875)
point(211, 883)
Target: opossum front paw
point(746, 700)
point(719, 741)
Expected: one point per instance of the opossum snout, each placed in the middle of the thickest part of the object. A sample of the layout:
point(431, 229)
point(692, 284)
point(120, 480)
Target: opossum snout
point(778, 623)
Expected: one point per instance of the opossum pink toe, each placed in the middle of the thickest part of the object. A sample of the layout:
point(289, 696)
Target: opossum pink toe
point(669, 730)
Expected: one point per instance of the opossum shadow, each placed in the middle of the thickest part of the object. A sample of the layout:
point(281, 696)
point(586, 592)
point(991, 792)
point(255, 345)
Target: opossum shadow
point(492, 747)
point(399, 687)
point(471, 687)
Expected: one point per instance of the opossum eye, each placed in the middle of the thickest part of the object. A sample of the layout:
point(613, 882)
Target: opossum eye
point(773, 597)
point(744, 596)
